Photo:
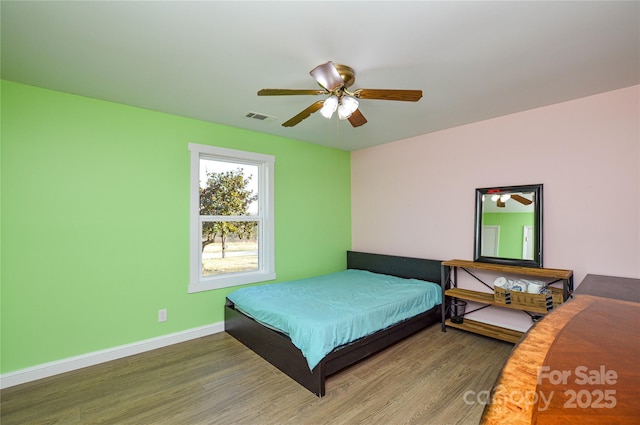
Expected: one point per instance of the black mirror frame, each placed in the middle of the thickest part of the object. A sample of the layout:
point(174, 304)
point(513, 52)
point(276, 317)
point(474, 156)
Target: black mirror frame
point(537, 233)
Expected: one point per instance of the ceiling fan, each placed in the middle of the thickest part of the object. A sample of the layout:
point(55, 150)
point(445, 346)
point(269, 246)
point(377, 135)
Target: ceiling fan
point(501, 200)
point(335, 79)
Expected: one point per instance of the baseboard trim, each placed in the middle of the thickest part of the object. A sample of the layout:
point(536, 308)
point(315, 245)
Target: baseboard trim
point(78, 362)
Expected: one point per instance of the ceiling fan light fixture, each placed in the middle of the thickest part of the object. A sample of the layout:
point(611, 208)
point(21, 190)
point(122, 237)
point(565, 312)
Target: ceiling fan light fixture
point(348, 106)
point(351, 103)
point(329, 107)
point(343, 113)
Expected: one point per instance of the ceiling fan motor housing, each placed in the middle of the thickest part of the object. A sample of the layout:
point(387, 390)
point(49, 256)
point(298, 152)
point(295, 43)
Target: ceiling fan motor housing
point(347, 73)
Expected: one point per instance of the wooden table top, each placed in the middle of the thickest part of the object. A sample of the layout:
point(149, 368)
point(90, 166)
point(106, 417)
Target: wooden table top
point(580, 364)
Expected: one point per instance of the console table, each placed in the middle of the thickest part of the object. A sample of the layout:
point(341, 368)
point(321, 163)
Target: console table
point(449, 283)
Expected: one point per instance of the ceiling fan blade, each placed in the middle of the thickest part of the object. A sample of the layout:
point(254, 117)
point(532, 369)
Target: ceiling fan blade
point(357, 119)
point(288, 92)
point(327, 76)
point(389, 94)
point(521, 199)
point(304, 114)
point(500, 203)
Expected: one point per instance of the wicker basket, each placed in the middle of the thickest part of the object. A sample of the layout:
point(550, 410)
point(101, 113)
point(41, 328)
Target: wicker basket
point(551, 299)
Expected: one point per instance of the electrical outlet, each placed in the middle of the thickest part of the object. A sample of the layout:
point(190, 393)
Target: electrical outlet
point(162, 315)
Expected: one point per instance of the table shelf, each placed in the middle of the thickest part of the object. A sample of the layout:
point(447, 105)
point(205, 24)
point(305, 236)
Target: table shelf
point(450, 291)
point(486, 329)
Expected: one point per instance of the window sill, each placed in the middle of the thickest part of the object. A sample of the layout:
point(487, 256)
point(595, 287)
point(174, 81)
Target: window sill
point(230, 281)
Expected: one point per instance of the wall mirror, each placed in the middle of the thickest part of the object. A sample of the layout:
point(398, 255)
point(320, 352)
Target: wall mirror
point(508, 227)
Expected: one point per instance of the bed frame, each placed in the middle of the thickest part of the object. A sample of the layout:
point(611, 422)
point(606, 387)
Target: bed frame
point(278, 349)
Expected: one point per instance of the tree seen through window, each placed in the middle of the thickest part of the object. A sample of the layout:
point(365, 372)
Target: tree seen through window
point(229, 235)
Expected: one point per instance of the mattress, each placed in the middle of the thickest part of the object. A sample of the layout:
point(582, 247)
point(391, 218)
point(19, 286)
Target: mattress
point(322, 313)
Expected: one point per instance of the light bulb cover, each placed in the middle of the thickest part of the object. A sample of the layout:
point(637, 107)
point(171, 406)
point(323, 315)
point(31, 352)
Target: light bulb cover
point(343, 112)
point(350, 103)
point(329, 107)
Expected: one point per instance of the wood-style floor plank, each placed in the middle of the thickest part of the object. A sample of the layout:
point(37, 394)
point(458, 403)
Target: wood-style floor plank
point(217, 380)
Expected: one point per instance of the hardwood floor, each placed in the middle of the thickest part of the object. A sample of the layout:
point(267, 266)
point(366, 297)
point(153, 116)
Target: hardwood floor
point(217, 380)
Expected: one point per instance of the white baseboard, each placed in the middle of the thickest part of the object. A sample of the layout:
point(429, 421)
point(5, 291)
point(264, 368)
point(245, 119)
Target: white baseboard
point(77, 362)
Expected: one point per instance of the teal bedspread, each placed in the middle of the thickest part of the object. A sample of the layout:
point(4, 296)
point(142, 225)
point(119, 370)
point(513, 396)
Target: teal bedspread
point(322, 313)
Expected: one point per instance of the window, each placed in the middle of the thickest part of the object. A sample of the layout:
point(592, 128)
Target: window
point(231, 218)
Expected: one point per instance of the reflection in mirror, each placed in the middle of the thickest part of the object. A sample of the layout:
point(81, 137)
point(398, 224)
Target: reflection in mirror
point(508, 228)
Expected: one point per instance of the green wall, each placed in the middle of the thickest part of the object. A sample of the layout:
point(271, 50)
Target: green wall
point(511, 231)
point(95, 221)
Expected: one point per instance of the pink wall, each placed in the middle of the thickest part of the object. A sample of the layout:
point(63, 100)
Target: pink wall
point(416, 196)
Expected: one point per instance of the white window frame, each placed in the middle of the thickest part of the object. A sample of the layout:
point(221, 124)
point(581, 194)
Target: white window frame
point(266, 244)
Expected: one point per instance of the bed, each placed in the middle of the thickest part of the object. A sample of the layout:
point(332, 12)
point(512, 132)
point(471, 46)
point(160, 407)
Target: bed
point(278, 349)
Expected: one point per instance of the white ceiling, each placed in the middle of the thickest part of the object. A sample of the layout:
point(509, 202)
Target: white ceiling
point(207, 59)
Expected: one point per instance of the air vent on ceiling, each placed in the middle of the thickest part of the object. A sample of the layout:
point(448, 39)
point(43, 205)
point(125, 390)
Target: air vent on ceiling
point(261, 117)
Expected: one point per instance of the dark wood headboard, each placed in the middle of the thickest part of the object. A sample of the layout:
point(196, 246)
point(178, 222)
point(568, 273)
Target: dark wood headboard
point(406, 267)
